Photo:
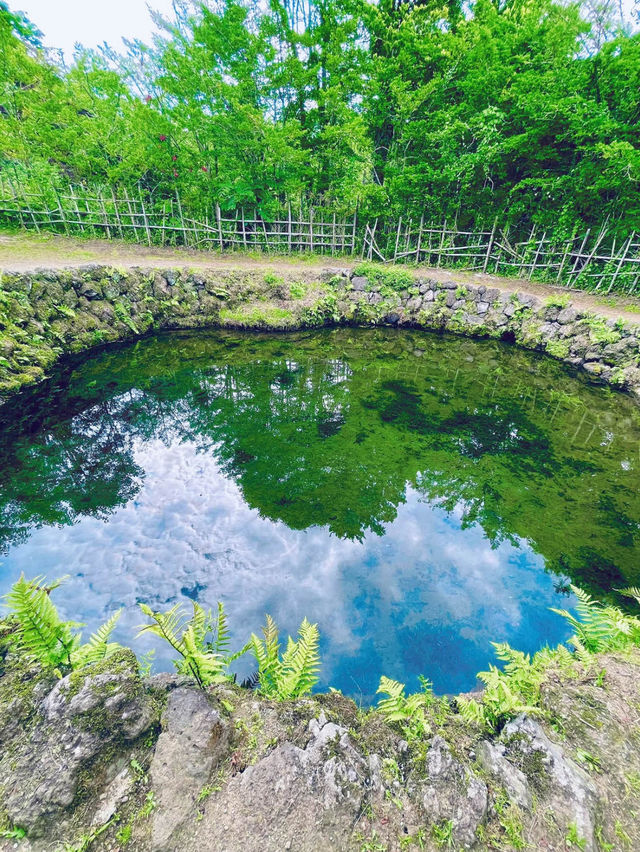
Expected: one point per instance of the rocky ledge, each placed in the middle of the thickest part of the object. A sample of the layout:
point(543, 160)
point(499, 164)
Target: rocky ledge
point(49, 313)
point(108, 760)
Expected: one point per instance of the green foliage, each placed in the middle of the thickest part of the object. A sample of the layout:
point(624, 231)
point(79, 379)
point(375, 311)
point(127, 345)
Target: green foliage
point(14, 833)
point(600, 627)
point(442, 833)
point(293, 673)
point(202, 641)
point(272, 279)
point(557, 300)
point(599, 331)
point(516, 687)
point(297, 290)
point(43, 636)
point(388, 279)
point(390, 106)
point(406, 711)
point(573, 838)
point(558, 348)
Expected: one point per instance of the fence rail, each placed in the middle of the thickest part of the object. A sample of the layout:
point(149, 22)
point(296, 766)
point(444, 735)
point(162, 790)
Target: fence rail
point(590, 260)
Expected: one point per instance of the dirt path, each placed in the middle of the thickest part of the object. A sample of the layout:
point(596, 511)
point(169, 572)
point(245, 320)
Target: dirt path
point(23, 252)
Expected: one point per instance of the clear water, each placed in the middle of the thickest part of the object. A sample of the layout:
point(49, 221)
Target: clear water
point(417, 495)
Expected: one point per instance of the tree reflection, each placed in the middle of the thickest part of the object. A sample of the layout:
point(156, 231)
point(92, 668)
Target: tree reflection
point(328, 429)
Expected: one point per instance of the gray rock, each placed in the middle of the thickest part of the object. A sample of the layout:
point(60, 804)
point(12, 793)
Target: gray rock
point(194, 740)
point(491, 757)
point(392, 318)
point(76, 721)
point(528, 300)
point(89, 292)
point(429, 296)
point(574, 794)
point(113, 795)
point(549, 330)
point(161, 289)
point(359, 282)
point(454, 793)
point(567, 315)
point(509, 309)
point(307, 799)
point(451, 299)
point(448, 285)
point(482, 307)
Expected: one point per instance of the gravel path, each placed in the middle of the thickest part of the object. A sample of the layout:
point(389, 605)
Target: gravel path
point(22, 252)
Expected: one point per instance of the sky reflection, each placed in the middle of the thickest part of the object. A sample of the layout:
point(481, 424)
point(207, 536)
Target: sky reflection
point(427, 597)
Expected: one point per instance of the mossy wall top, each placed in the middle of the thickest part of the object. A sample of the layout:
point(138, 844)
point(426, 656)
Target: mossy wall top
point(46, 314)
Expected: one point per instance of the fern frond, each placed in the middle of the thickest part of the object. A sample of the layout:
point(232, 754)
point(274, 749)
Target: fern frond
point(300, 662)
point(167, 625)
point(223, 639)
point(41, 633)
point(98, 647)
point(631, 592)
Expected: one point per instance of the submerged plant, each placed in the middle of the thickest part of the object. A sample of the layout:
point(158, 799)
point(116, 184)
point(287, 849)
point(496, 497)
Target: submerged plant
point(202, 641)
point(295, 672)
point(43, 636)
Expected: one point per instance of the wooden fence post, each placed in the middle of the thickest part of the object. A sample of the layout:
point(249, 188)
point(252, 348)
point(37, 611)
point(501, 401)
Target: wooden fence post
point(490, 246)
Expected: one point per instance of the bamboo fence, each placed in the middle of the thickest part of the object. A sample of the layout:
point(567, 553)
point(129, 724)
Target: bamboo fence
point(590, 260)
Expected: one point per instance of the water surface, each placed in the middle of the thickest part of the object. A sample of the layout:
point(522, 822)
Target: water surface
point(417, 495)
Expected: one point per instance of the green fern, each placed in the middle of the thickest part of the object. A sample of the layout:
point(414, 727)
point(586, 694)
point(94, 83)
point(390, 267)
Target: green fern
point(599, 627)
point(407, 711)
point(43, 636)
point(296, 672)
point(98, 647)
point(201, 641)
point(632, 592)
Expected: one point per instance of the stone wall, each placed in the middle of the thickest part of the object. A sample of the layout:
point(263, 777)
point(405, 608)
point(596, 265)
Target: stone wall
point(46, 314)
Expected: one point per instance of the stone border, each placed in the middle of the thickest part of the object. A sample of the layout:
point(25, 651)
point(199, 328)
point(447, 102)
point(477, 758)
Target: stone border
point(46, 314)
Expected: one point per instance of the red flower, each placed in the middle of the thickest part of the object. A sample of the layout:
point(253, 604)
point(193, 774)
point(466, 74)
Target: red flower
point(174, 158)
point(205, 169)
point(162, 137)
point(148, 99)
point(175, 173)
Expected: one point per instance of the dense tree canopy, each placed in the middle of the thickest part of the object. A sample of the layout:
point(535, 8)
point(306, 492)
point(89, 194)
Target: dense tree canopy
point(526, 109)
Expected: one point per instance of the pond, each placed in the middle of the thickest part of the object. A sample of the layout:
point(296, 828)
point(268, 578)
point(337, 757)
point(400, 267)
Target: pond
point(418, 496)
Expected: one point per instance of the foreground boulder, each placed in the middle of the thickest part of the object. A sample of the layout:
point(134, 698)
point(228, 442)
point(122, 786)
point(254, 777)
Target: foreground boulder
point(105, 760)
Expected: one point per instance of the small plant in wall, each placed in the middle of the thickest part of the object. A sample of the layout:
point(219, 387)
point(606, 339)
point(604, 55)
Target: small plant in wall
point(202, 641)
point(293, 673)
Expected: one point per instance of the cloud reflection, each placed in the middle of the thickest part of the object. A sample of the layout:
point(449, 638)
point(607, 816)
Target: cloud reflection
point(426, 597)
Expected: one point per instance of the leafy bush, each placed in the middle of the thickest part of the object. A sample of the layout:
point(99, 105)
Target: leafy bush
point(293, 673)
point(202, 641)
point(43, 636)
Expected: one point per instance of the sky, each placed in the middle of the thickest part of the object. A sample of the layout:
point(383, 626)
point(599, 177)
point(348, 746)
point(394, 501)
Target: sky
point(90, 22)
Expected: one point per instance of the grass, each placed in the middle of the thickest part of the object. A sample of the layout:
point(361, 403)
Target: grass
point(257, 316)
